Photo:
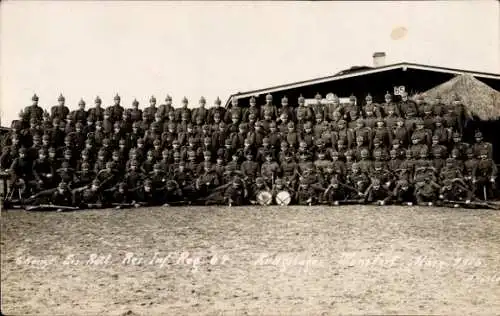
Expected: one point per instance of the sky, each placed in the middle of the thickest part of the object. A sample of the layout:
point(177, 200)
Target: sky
point(137, 49)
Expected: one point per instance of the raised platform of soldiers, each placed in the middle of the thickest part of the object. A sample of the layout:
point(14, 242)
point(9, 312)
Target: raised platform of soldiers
point(393, 152)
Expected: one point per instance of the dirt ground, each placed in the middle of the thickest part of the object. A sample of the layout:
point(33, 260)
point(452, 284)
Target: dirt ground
point(251, 261)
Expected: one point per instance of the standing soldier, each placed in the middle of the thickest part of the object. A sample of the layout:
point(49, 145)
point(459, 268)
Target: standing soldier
point(269, 106)
point(60, 111)
point(332, 107)
point(438, 106)
point(389, 106)
point(270, 169)
point(184, 111)
point(116, 110)
point(252, 109)
point(484, 175)
point(217, 108)
point(318, 107)
point(351, 109)
point(250, 168)
point(97, 112)
point(135, 112)
point(234, 112)
point(481, 146)
point(201, 112)
point(303, 111)
point(33, 111)
point(285, 108)
point(150, 111)
point(470, 165)
point(166, 108)
point(407, 107)
point(80, 115)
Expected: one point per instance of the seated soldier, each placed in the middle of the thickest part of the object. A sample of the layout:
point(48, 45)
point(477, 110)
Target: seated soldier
point(305, 194)
point(147, 195)
point(426, 190)
point(62, 196)
point(403, 193)
point(89, 196)
point(236, 193)
point(258, 186)
point(334, 193)
point(377, 193)
point(122, 197)
point(173, 193)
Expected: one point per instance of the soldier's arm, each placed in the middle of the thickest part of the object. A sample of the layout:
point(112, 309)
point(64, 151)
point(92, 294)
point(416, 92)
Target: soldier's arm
point(494, 170)
point(33, 170)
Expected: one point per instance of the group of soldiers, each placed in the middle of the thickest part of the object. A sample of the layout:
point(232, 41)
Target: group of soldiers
point(393, 152)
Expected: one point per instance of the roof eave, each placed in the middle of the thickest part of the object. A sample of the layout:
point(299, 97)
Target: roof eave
point(363, 72)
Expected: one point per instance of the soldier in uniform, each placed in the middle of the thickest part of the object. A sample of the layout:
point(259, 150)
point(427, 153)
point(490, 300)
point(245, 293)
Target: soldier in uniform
point(97, 112)
point(285, 108)
point(150, 111)
point(305, 194)
point(236, 193)
point(217, 108)
point(403, 193)
point(389, 106)
point(408, 108)
point(269, 106)
point(484, 175)
point(166, 108)
point(62, 195)
point(378, 193)
point(234, 113)
point(426, 190)
point(116, 110)
point(481, 146)
point(60, 111)
point(303, 111)
point(359, 182)
point(33, 111)
point(318, 107)
point(270, 169)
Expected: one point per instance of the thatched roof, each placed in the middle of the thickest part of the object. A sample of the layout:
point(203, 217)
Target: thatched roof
point(479, 99)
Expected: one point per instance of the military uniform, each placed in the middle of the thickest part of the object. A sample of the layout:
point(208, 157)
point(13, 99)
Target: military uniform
point(60, 111)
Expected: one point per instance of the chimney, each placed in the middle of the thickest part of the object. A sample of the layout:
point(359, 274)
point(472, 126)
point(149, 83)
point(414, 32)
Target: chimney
point(378, 59)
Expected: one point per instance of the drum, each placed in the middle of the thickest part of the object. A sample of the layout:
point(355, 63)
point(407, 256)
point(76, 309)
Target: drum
point(264, 198)
point(283, 198)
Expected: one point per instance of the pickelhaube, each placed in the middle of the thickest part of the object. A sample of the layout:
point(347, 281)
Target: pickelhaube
point(117, 97)
point(61, 98)
point(168, 98)
point(184, 100)
point(352, 98)
point(98, 100)
point(203, 100)
point(253, 100)
point(318, 96)
point(218, 101)
point(284, 100)
point(301, 99)
point(135, 102)
point(368, 97)
point(388, 95)
point(152, 99)
point(269, 97)
point(81, 102)
point(34, 97)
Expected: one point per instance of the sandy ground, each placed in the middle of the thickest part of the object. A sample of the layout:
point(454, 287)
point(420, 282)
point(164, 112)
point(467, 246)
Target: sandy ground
point(251, 261)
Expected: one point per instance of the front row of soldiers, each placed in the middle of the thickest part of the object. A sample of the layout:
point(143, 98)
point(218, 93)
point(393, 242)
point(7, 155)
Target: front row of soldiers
point(330, 180)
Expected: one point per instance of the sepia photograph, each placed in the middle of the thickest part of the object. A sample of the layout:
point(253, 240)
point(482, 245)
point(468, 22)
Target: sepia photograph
point(262, 158)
